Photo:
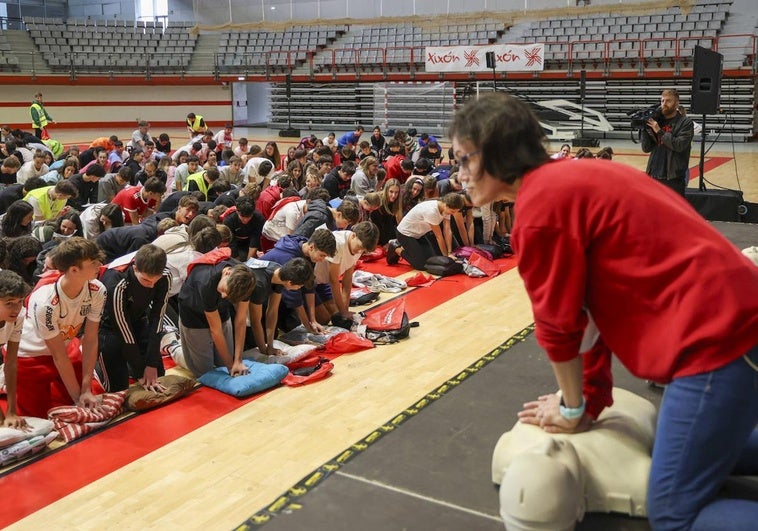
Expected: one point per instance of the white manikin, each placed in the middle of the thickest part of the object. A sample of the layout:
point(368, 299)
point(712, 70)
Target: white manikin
point(548, 481)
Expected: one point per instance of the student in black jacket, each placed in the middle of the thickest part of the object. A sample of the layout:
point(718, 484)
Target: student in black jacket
point(129, 335)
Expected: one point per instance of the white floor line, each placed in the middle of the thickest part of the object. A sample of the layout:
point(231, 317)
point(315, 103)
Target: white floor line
point(421, 497)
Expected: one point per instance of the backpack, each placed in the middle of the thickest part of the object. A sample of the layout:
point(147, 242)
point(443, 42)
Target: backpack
point(361, 296)
point(467, 252)
point(282, 202)
point(442, 172)
point(443, 266)
point(495, 251)
point(504, 242)
point(228, 212)
point(51, 276)
point(484, 265)
point(48, 277)
point(307, 370)
point(388, 323)
point(219, 254)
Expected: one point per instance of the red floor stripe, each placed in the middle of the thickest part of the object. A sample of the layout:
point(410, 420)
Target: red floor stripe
point(43, 482)
point(710, 164)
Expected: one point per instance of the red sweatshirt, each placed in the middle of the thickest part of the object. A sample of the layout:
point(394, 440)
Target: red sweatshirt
point(670, 295)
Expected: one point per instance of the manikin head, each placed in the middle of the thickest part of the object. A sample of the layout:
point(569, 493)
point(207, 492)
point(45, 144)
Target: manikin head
point(543, 488)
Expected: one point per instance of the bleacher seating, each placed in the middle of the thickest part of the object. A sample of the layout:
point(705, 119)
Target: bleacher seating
point(399, 46)
point(82, 43)
point(665, 34)
point(8, 61)
point(655, 38)
point(255, 51)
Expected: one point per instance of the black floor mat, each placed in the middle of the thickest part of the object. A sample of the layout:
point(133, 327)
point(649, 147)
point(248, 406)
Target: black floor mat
point(433, 472)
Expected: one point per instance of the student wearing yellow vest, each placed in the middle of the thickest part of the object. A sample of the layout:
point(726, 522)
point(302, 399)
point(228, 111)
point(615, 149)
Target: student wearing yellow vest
point(49, 201)
point(195, 125)
point(40, 117)
point(202, 181)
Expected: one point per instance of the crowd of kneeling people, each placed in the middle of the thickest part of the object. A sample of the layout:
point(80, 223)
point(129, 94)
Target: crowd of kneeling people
point(214, 236)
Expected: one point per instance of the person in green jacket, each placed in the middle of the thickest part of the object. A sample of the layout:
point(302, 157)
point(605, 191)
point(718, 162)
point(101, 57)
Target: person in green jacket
point(40, 117)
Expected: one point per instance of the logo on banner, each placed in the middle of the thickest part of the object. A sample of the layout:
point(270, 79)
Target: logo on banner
point(533, 56)
point(508, 58)
point(471, 58)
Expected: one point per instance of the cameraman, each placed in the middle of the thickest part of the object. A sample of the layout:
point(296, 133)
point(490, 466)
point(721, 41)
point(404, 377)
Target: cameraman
point(668, 138)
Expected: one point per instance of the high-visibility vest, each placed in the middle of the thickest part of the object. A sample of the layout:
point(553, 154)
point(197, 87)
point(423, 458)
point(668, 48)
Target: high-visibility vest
point(195, 126)
point(199, 180)
point(41, 116)
point(47, 206)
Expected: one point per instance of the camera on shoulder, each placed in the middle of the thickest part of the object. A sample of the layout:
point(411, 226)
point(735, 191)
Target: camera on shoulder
point(639, 118)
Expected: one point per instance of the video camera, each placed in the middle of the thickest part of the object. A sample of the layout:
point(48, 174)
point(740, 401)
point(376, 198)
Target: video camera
point(639, 118)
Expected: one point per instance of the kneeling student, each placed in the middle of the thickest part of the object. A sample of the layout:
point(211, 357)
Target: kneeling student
point(132, 321)
point(414, 232)
point(310, 312)
point(351, 244)
point(213, 286)
point(13, 289)
point(55, 315)
point(271, 279)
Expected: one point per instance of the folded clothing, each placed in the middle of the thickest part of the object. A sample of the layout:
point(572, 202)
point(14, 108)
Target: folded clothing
point(299, 335)
point(291, 353)
point(36, 427)
point(25, 448)
point(139, 399)
point(377, 282)
point(72, 422)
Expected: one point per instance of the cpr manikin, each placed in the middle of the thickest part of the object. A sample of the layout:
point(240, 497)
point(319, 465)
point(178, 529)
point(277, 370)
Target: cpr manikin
point(548, 481)
point(752, 253)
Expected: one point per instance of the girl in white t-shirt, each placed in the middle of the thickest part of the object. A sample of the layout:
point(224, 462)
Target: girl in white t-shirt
point(425, 232)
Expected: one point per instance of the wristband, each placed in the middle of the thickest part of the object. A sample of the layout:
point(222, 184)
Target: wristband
point(571, 413)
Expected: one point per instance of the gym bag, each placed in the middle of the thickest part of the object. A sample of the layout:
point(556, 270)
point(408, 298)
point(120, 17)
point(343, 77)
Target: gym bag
point(388, 323)
point(443, 266)
point(307, 370)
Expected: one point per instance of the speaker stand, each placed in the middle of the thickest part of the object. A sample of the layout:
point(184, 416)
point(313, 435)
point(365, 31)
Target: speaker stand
point(581, 141)
point(701, 180)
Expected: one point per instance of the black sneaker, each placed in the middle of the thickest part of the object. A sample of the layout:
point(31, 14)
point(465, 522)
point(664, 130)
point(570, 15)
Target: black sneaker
point(392, 256)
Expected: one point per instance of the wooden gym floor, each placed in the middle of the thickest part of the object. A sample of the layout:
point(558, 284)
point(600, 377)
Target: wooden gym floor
point(214, 462)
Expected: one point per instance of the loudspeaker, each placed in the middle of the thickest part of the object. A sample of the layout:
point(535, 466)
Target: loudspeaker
point(706, 81)
point(290, 132)
point(717, 205)
point(490, 58)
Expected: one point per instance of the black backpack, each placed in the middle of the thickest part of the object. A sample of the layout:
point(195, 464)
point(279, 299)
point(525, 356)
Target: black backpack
point(495, 250)
point(443, 266)
point(361, 296)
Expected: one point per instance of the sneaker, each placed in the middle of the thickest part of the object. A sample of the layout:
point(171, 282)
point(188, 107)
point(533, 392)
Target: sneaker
point(392, 256)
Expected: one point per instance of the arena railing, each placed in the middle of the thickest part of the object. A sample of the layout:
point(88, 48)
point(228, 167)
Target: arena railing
point(642, 55)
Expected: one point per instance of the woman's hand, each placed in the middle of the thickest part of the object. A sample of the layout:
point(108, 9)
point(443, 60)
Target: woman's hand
point(545, 412)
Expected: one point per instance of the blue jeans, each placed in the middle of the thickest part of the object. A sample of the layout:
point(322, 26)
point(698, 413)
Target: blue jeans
point(706, 431)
